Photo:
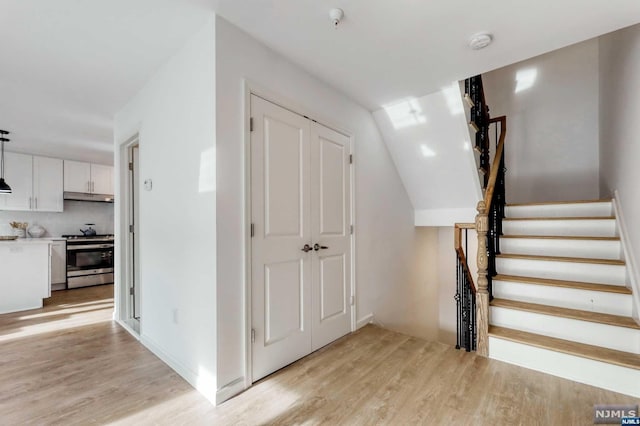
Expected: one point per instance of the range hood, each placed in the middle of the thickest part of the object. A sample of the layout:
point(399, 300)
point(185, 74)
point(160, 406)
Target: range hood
point(84, 196)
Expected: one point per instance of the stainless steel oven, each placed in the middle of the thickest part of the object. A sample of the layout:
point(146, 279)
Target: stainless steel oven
point(89, 260)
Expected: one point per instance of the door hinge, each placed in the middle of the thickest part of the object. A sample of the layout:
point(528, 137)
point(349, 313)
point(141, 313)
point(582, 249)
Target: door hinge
point(352, 301)
point(131, 291)
point(253, 230)
point(131, 166)
point(251, 124)
point(131, 228)
point(350, 158)
point(253, 335)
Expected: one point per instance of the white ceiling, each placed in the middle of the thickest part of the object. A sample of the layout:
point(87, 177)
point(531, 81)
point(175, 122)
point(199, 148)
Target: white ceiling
point(67, 66)
point(385, 51)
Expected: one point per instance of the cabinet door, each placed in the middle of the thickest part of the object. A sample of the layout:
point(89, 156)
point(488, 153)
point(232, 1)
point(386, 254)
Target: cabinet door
point(18, 175)
point(77, 176)
point(101, 179)
point(58, 262)
point(47, 185)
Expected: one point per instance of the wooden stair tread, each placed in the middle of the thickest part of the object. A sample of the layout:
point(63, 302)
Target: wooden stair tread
point(597, 353)
point(562, 259)
point(608, 288)
point(551, 203)
point(576, 314)
point(560, 237)
point(523, 219)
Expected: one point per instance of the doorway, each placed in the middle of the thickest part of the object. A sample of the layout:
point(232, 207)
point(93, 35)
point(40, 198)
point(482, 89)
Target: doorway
point(134, 229)
point(301, 236)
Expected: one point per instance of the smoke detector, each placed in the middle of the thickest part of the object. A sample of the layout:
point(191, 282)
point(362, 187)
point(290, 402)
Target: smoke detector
point(480, 41)
point(336, 16)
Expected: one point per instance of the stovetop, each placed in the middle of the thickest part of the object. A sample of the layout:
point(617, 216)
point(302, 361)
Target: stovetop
point(89, 237)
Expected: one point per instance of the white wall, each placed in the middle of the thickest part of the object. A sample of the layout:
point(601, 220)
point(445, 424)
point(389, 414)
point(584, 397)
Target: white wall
point(384, 214)
point(619, 136)
point(430, 146)
point(175, 116)
point(552, 145)
point(75, 215)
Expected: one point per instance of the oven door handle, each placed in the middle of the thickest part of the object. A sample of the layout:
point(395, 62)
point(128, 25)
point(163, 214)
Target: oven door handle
point(89, 247)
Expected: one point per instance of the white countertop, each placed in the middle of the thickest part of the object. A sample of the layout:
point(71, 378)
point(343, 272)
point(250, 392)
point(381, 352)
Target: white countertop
point(44, 240)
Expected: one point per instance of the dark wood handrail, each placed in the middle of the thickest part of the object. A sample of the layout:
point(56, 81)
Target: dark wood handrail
point(457, 237)
point(491, 186)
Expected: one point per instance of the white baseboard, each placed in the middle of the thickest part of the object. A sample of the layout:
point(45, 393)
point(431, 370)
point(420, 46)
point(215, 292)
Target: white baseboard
point(128, 329)
point(204, 385)
point(629, 256)
point(230, 390)
point(367, 319)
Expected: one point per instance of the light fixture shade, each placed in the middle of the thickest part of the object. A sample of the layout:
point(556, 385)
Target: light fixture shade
point(4, 188)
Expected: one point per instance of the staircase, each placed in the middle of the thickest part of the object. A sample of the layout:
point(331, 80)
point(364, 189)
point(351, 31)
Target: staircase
point(561, 304)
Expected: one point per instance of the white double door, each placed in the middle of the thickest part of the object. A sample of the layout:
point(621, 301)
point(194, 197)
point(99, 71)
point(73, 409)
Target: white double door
point(301, 244)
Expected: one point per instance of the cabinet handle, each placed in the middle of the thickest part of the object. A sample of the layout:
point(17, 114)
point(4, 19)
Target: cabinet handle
point(30, 203)
point(36, 203)
point(88, 186)
point(93, 187)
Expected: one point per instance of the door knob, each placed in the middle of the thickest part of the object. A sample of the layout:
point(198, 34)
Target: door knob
point(306, 248)
point(317, 247)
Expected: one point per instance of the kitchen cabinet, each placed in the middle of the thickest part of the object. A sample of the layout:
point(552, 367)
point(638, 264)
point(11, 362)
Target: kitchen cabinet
point(88, 178)
point(24, 274)
point(58, 262)
point(36, 183)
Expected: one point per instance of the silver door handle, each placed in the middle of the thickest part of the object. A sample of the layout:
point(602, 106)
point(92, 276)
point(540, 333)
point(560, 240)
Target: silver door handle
point(307, 248)
point(317, 247)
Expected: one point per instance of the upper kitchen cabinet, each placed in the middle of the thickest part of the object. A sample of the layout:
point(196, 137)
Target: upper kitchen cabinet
point(36, 183)
point(88, 178)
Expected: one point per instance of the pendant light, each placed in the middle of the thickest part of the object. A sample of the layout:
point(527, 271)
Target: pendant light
point(4, 188)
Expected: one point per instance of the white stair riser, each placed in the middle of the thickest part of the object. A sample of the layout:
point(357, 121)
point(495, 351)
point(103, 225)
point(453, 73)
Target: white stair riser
point(561, 210)
point(583, 370)
point(563, 297)
point(567, 271)
point(593, 249)
point(591, 333)
point(580, 228)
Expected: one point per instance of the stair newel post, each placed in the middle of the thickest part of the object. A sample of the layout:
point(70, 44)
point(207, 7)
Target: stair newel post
point(482, 295)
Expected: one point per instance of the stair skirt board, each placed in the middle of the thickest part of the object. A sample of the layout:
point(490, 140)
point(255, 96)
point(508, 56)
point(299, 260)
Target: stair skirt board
point(604, 208)
point(591, 333)
point(583, 370)
point(565, 297)
point(570, 271)
point(570, 227)
point(593, 249)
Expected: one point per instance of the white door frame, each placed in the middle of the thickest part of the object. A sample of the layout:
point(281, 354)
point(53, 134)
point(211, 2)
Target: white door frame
point(123, 237)
point(251, 88)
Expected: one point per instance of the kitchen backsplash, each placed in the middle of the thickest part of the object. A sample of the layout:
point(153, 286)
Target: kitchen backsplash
point(75, 215)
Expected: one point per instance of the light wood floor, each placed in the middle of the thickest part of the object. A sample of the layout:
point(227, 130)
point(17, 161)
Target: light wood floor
point(68, 363)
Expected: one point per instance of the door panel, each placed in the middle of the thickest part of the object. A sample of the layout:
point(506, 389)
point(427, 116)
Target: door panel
point(332, 287)
point(280, 270)
point(330, 224)
point(48, 184)
point(18, 173)
point(283, 184)
point(283, 281)
point(77, 176)
point(332, 187)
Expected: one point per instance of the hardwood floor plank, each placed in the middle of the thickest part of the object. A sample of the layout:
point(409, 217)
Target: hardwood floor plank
point(69, 364)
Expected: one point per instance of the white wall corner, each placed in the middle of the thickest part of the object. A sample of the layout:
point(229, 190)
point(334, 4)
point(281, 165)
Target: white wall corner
point(203, 383)
point(444, 217)
point(230, 390)
point(629, 256)
point(367, 319)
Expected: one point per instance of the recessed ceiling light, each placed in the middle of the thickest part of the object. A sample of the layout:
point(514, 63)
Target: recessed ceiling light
point(480, 41)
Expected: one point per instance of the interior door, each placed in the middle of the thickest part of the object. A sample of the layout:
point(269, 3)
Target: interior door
point(330, 228)
point(134, 219)
point(280, 269)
